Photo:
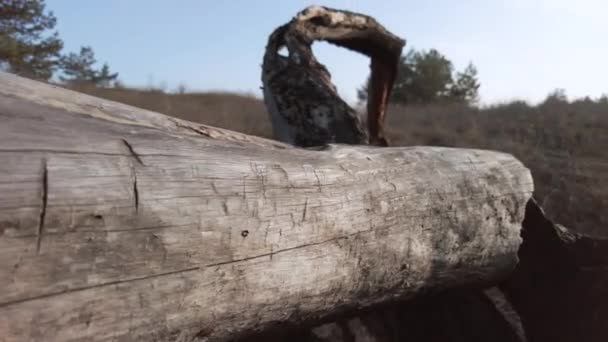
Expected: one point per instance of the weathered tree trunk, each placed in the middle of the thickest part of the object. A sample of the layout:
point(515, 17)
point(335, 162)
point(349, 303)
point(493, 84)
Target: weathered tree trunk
point(119, 223)
point(304, 105)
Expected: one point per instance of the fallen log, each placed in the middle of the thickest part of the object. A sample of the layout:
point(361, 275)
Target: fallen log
point(119, 223)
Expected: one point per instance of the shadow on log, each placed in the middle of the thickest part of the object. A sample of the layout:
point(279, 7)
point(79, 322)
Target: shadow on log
point(560, 286)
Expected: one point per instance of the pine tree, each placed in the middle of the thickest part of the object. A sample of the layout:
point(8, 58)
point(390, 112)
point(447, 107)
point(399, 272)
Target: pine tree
point(431, 77)
point(28, 45)
point(78, 68)
point(428, 77)
point(466, 86)
point(104, 78)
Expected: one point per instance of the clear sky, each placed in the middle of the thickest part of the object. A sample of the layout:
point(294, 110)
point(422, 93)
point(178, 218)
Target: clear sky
point(523, 49)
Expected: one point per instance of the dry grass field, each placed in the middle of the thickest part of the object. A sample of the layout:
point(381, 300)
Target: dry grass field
point(565, 144)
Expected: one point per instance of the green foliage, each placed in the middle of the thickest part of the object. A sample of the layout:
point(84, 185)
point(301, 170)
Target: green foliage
point(28, 46)
point(466, 86)
point(431, 76)
point(104, 78)
point(428, 77)
point(79, 68)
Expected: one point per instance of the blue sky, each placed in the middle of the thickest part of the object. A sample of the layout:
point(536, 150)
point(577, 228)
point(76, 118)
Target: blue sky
point(523, 49)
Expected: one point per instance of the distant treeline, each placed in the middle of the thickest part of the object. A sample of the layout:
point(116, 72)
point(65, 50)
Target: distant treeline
point(30, 46)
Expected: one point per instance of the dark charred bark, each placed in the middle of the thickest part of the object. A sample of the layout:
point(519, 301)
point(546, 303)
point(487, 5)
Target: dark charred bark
point(560, 287)
point(304, 105)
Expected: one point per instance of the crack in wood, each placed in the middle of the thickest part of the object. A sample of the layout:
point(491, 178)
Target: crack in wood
point(132, 152)
point(84, 288)
point(45, 188)
point(304, 211)
point(225, 207)
point(273, 253)
point(135, 191)
point(135, 156)
point(319, 185)
point(195, 130)
point(215, 191)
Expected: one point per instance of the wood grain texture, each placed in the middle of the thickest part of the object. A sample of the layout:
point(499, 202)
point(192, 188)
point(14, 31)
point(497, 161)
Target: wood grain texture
point(119, 224)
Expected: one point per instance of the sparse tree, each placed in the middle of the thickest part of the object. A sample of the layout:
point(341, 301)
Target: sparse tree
point(430, 80)
point(104, 78)
point(28, 44)
point(466, 86)
point(427, 77)
point(557, 96)
point(79, 68)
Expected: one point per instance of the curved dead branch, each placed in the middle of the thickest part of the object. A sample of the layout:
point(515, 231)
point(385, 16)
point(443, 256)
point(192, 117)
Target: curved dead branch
point(304, 105)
